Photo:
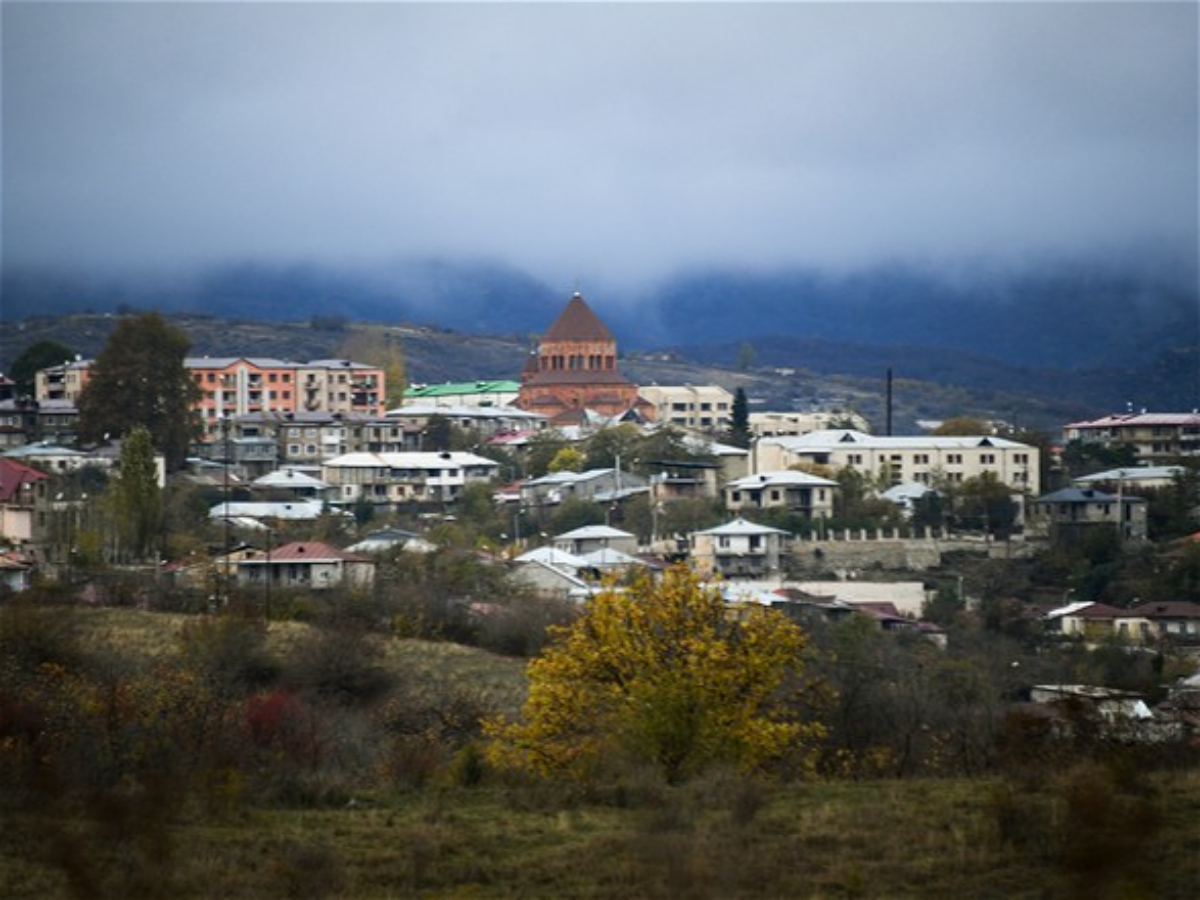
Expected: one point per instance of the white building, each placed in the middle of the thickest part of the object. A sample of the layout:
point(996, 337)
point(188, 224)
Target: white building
point(791, 424)
point(398, 477)
point(591, 538)
point(799, 492)
point(1155, 437)
point(921, 459)
point(740, 549)
point(705, 408)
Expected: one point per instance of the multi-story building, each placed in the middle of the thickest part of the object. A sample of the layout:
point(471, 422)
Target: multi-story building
point(237, 386)
point(706, 408)
point(923, 459)
point(1157, 438)
point(740, 549)
point(387, 478)
point(483, 420)
point(22, 492)
point(790, 424)
point(798, 492)
point(339, 385)
point(1069, 514)
point(63, 382)
point(18, 422)
point(258, 442)
point(575, 369)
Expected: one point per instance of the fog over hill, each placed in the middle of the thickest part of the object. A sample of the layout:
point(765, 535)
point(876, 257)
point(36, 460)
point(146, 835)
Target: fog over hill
point(1091, 338)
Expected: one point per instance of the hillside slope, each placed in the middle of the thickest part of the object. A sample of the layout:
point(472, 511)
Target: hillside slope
point(784, 372)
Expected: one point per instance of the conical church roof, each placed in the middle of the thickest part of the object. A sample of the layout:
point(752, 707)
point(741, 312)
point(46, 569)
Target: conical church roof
point(578, 323)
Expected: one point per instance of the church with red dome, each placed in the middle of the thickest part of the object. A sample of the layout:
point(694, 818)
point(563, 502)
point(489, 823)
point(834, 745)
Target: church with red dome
point(574, 369)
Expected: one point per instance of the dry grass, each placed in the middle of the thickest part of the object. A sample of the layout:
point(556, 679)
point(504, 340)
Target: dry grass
point(927, 839)
point(1080, 834)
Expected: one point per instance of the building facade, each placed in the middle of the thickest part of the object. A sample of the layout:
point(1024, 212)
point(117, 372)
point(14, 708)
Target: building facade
point(797, 492)
point(1071, 513)
point(387, 478)
point(1157, 438)
point(740, 549)
point(706, 408)
point(575, 369)
point(920, 460)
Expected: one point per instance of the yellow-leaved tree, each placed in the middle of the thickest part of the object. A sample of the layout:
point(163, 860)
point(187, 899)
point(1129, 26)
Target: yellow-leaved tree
point(666, 673)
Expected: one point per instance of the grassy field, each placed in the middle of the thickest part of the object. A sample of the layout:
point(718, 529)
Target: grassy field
point(723, 838)
point(1074, 829)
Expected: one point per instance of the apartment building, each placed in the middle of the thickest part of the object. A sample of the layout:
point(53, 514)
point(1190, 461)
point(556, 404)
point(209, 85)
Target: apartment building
point(1158, 438)
point(339, 385)
point(921, 460)
point(258, 442)
point(484, 420)
point(238, 386)
point(706, 408)
point(64, 382)
point(384, 478)
point(790, 424)
point(795, 491)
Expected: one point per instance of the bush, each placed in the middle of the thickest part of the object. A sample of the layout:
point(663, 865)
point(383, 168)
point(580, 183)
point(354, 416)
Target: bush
point(340, 666)
point(229, 652)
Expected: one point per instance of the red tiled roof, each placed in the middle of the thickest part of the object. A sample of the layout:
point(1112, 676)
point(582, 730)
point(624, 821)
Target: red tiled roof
point(309, 551)
point(578, 323)
point(1098, 611)
point(1171, 609)
point(14, 474)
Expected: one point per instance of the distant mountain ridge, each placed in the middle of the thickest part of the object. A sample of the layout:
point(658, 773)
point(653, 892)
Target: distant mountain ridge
point(1092, 336)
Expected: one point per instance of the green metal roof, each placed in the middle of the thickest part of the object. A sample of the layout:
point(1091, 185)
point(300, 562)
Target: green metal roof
point(460, 388)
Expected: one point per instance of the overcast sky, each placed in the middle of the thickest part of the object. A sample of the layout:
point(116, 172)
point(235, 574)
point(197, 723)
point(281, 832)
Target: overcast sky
point(604, 141)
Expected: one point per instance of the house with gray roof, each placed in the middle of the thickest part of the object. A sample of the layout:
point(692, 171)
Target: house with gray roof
point(799, 492)
point(589, 538)
point(740, 549)
point(1071, 513)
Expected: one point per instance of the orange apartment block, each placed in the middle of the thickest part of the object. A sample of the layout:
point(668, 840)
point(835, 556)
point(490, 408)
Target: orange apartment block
point(235, 386)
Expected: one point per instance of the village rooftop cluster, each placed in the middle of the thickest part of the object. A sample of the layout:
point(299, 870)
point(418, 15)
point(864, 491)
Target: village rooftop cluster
point(285, 443)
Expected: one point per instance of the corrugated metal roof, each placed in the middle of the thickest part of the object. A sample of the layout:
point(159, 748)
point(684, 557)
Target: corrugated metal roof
point(462, 387)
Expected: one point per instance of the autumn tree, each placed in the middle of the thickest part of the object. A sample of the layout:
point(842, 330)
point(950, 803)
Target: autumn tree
point(375, 347)
point(666, 674)
point(567, 459)
point(963, 426)
point(139, 378)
